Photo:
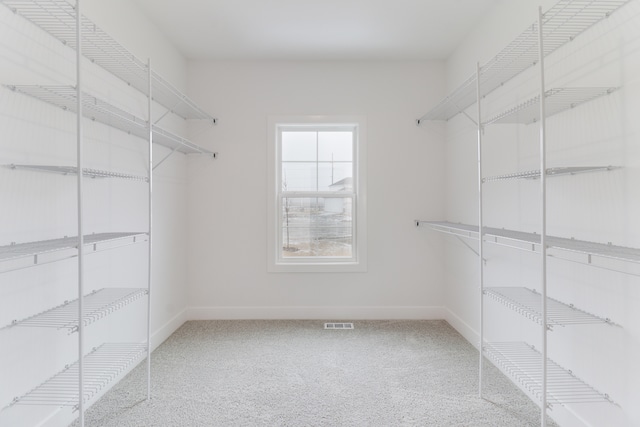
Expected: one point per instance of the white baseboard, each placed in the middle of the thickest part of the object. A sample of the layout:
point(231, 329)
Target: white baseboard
point(165, 331)
point(313, 312)
point(462, 327)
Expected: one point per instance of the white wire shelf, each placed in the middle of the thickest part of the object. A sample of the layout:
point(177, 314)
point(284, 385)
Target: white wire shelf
point(95, 109)
point(73, 170)
point(22, 255)
point(531, 241)
point(523, 363)
point(557, 100)
point(178, 143)
point(57, 17)
point(551, 172)
point(528, 303)
point(456, 229)
point(101, 366)
point(561, 24)
point(97, 305)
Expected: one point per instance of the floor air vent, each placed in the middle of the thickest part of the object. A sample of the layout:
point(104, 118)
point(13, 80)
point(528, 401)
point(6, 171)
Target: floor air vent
point(338, 325)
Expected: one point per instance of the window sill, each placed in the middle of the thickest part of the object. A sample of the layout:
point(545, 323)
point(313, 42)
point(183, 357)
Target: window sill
point(338, 267)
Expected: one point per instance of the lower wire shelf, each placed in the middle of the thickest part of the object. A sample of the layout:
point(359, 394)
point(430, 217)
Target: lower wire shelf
point(523, 363)
point(528, 303)
point(97, 305)
point(102, 366)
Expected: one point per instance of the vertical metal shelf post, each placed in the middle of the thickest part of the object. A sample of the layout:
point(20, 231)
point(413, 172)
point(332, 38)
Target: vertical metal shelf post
point(150, 180)
point(80, 163)
point(480, 232)
point(543, 220)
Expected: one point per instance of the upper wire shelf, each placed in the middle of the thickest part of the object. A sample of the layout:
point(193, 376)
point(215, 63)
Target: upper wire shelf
point(528, 303)
point(551, 172)
point(523, 363)
point(73, 170)
point(557, 100)
point(57, 17)
point(97, 305)
point(101, 367)
point(560, 24)
point(21, 255)
point(103, 112)
point(531, 241)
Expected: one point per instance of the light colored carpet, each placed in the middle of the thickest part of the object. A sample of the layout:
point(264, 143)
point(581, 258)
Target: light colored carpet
point(295, 373)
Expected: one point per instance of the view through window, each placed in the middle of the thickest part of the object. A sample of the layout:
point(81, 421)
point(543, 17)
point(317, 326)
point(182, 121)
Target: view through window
point(317, 191)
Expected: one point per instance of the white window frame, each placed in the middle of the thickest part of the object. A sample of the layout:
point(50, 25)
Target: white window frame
point(358, 261)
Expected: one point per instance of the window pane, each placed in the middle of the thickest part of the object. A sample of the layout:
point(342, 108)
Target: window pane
point(336, 146)
point(335, 176)
point(299, 146)
point(317, 227)
point(299, 176)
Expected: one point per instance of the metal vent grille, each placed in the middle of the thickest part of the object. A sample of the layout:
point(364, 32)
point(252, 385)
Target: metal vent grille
point(334, 325)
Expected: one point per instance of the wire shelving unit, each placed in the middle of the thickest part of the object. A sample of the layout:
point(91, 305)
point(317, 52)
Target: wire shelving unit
point(557, 100)
point(95, 109)
point(58, 18)
point(532, 369)
point(97, 305)
point(561, 24)
point(551, 172)
point(521, 362)
point(73, 170)
point(77, 384)
point(102, 366)
point(528, 303)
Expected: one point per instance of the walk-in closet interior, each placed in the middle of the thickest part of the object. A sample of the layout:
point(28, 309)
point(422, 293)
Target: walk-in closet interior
point(491, 182)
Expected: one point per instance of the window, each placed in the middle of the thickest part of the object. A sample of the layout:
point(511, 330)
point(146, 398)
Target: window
point(317, 203)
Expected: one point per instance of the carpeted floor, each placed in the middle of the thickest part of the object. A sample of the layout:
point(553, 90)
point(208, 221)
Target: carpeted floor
point(295, 373)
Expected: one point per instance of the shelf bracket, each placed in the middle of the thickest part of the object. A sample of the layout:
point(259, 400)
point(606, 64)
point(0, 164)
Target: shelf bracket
point(169, 110)
point(165, 158)
point(213, 156)
point(471, 248)
point(469, 117)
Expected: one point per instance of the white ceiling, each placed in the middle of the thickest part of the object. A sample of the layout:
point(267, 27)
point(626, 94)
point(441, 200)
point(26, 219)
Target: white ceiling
point(315, 29)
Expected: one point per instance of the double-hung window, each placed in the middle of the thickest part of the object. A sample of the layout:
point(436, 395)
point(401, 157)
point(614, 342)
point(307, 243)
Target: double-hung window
point(317, 204)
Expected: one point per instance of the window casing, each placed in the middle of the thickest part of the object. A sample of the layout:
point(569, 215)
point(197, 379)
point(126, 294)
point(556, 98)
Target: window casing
point(317, 201)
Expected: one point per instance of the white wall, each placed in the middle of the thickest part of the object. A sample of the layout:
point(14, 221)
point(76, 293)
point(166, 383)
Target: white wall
point(37, 206)
point(228, 199)
point(601, 207)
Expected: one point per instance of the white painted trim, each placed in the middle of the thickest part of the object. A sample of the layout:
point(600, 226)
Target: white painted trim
point(462, 327)
point(166, 330)
point(358, 264)
point(315, 312)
